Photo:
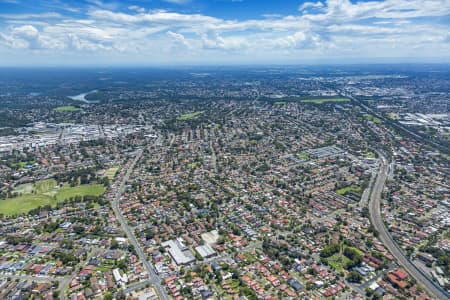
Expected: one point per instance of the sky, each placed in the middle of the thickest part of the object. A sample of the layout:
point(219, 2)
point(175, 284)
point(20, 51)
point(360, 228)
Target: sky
point(222, 32)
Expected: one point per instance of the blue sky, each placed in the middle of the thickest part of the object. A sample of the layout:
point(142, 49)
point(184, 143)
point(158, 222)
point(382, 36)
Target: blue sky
point(216, 32)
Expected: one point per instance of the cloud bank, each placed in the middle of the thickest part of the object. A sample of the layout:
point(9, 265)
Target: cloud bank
point(338, 30)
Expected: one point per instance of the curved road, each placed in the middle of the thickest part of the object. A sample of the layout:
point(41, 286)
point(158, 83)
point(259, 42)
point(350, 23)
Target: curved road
point(377, 221)
point(155, 280)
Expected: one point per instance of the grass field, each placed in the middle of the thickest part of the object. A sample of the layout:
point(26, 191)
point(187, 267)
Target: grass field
point(44, 193)
point(21, 165)
point(194, 164)
point(349, 189)
point(393, 116)
point(44, 186)
point(302, 156)
point(337, 261)
point(372, 118)
point(325, 100)
point(111, 172)
point(66, 108)
point(25, 188)
point(190, 116)
point(369, 155)
point(24, 203)
point(67, 191)
point(280, 103)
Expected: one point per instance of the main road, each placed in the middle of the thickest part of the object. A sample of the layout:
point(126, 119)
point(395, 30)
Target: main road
point(397, 125)
point(154, 279)
point(385, 237)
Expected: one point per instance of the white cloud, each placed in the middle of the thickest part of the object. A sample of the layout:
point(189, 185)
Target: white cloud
point(136, 9)
point(345, 10)
point(178, 1)
point(322, 28)
point(309, 5)
point(223, 43)
point(155, 17)
point(179, 38)
point(49, 15)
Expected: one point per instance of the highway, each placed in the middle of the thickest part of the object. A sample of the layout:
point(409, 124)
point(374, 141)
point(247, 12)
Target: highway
point(377, 221)
point(154, 279)
point(397, 125)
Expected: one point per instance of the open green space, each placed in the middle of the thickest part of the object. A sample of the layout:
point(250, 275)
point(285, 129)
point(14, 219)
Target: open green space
point(111, 172)
point(67, 192)
point(340, 256)
point(104, 267)
point(307, 99)
point(25, 188)
point(372, 118)
point(21, 165)
point(44, 186)
point(44, 193)
point(193, 165)
point(66, 108)
point(325, 100)
point(337, 261)
point(24, 203)
point(249, 257)
point(349, 189)
point(190, 116)
point(393, 116)
point(302, 156)
point(369, 155)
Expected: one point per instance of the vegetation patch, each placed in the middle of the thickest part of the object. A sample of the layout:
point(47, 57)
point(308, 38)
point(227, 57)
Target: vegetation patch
point(24, 203)
point(393, 116)
point(372, 118)
point(44, 186)
point(45, 193)
point(25, 188)
point(67, 192)
point(338, 261)
point(325, 100)
point(349, 189)
point(111, 172)
point(369, 155)
point(190, 116)
point(67, 108)
point(193, 165)
point(22, 164)
point(302, 156)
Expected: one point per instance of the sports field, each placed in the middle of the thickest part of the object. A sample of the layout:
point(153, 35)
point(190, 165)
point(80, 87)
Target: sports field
point(190, 116)
point(66, 108)
point(372, 118)
point(111, 172)
point(325, 100)
point(349, 189)
point(45, 192)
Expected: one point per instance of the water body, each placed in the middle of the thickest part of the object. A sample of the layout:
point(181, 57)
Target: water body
point(82, 97)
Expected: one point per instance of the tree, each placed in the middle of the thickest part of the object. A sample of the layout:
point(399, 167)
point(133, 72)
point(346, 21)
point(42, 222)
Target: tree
point(114, 244)
point(329, 250)
point(354, 276)
point(120, 295)
point(108, 296)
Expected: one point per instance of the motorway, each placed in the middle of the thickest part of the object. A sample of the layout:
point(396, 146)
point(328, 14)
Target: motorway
point(154, 279)
point(397, 125)
point(377, 221)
